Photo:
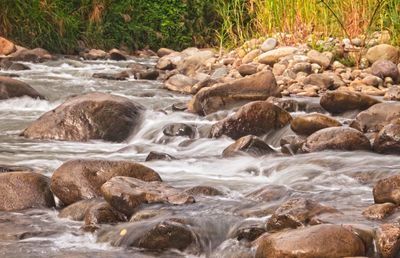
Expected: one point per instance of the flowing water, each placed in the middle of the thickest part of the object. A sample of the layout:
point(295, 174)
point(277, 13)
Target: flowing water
point(341, 179)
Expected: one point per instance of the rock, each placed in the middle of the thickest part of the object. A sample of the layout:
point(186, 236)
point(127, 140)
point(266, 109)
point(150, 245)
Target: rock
point(296, 212)
point(77, 180)
point(126, 194)
point(165, 63)
point(310, 123)
point(6, 46)
point(269, 44)
point(255, 118)
point(323, 81)
point(180, 106)
point(376, 117)
point(35, 55)
point(18, 67)
point(102, 213)
point(11, 88)
point(258, 86)
point(95, 54)
point(117, 55)
point(203, 190)
point(268, 193)
point(12, 168)
point(233, 248)
point(247, 69)
point(77, 210)
point(247, 230)
point(385, 68)
point(388, 240)
point(302, 67)
point(153, 155)
point(290, 105)
point(292, 144)
point(328, 241)
point(112, 76)
point(387, 190)
point(372, 80)
point(179, 129)
point(193, 61)
point(250, 145)
point(180, 83)
point(249, 57)
point(319, 58)
point(148, 75)
point(383, 52)
point(164, 52)
point(341, 101)
point(337, 138)
point(24, 190)
point(379, 211)
point(89, 116)
point(387, 140)
point(136, 68)
point(273, 56)
point(393, 93)
point(167, 234)
point(219, 73)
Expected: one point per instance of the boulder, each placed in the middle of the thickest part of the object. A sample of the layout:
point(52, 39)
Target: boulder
point(255, 118)
point(24, 190)
point(180, 83)
point(150, 74)
point(379, 211)
point(341, 101)
point(387, 141)
point(11, 88)
point(296, 212)
point(153, 155)
point(179, 129)
point(126, 194)
point(385, 68)
point(95, 54)
point(393, 93)
point(258, 86)
point(77, 180)
point(322, 81)
point(376, 117)
point(35, 55)
point(6, 46)
point(271, 57)
point(388, 240)
point(89, 116)
point(324, 60)
point(310, 123)
point(117, 55)
point(102, 213)
point(247, 69)
point(328, 241)
point(387, 190)
point(164, 52)
point(337, 138)
point(383, 52)
point(250, 145)
point(77, 210)
point(292, 144)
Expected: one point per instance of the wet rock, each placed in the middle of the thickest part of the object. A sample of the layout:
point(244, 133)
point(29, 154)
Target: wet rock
point(136, 68)
point(204, 190)
point(323, 81)
point(290, 105)
point(337, 138)
point(112, 76)
point(8, 65)
point(376, 117)
point(387, 190)
point(250, 145)
point(164, 52)
point(341, 101)
point(388, 240)
point(248, 230)
point(247, 69)
point(232, 248)
point(126, 194)
point(89, 116)
point(147, 75)
point(95, 54)
point(292, 144)
point(296, 212)
point(153, 155)
point(385, 68)
point(24, 190)
point(6, 46)
point(117, 55)
point(77, 180)
point(387, 141)
point(379, 211)
point(273, 56)
point(254, 87)
point(310, 123)
point(328, 241)
point(393, 93)
point(255, 118)
point(269, 44)
point(180, 83)
point(181, 106)
point(383, 52)
point(77, 210)
point(179, 129)
point(268, 193)
point(11, 88)
point(249, 57)
point(35, 55)
point(102, 213)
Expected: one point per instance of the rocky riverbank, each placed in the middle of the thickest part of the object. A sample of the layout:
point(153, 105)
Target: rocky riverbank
point(126, 203)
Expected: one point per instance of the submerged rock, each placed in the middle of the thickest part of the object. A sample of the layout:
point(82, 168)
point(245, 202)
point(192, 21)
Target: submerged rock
point(77, 180)
point(102, 213)
point(204, 190)
point(310, 123)
point(341, 101)
point(88, 116)
point(179, 129)
point(250, 144)
point(24, 190)
point(11, 88)
point(387, 190)
point(255, 118)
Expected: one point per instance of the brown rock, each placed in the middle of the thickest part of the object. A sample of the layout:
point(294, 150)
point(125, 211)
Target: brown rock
point(249, 144)
point(379, 211)
point(180, 83)
point(249, 57)
point(337, 138)
point(112, 76)
point(328, 241)
point(77, 210)
point(387, 190)
point(310, 123)
point(273, 56)
point(179, 129)
point(292, 144)
point(35, 55)
point(393, 93)
point(268, 193)
point(385, 68)
point(6, 46)
point(125, 194)
point(77, 180)
point(258, 86)
point(383, 52)
point(204, 190)
point(388, 240)
point(153, 155)
point(11, 88)
point(117, 55)
point(319, 58)
point(24, 190)
point(341, 101)
point(247, 69)
point(148, 75)
point(290, 105)
point(89, 116)
point(387, 140)
point(322, 81)
point(164, 52)
point(95, 54)
point(102, 213)
point(255, 118)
